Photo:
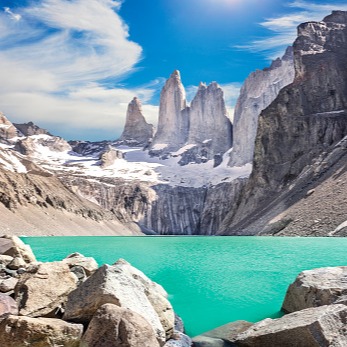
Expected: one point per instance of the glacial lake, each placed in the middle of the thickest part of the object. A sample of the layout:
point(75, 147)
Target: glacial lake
point(210, 280)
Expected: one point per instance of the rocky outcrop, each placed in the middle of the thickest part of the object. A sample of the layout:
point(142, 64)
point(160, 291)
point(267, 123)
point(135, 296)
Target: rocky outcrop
point(137, 132)
point(109, 156)
point(173, 122)
point(113, 326)
point(7, 306)
point(126, 287)
point(38, 332)
point(7, 129)
point(318, 287)
point(305, 123)
point(313, 327)
point(259, 90)
point(13, 246)
point(43, 289)
point(28, 129)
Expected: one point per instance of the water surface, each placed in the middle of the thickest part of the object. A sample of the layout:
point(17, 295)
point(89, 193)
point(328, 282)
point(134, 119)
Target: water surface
point(210, 280)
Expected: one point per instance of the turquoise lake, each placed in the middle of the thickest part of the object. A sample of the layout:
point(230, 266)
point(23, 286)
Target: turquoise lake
point(210, 280)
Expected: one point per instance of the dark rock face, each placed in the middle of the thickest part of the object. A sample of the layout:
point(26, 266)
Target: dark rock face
point(28, 129)
point(258, 91)
point(137, 132)
point(307, 119)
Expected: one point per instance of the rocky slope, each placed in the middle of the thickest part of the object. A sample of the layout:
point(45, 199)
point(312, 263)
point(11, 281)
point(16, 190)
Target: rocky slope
point(300, 142)
point(257, 93)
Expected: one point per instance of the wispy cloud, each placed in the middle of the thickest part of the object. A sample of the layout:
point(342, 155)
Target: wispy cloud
point(55, 56)
point(282, 28)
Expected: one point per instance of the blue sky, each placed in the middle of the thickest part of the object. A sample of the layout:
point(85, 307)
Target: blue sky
point(72, 66)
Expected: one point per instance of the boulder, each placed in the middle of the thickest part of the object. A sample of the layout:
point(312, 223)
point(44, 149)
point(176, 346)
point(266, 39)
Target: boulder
point(39, 332)
point(179, 339)
point(7, 307)
point(77, 259)
point(113, 326)
point(122, 285)
point(16, 263)
point(15, 247)
point(318, 287)
point(7, 284)
point(223, 336)
point(43, 290)
point(312, 327)
point(4, 259)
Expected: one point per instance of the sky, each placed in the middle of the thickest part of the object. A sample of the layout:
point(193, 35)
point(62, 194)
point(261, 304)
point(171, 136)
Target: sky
point(72, 66)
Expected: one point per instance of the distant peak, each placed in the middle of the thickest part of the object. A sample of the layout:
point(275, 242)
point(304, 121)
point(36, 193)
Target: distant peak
point(202, 85)
point(176, 74)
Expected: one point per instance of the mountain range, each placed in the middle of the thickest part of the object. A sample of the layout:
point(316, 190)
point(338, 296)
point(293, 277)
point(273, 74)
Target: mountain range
point(277, 168)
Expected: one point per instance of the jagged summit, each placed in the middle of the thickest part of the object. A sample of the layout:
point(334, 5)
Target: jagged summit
point(137, 132)
point(7, 129)
point(28, 129)
point(199, 132)
point(173, 122)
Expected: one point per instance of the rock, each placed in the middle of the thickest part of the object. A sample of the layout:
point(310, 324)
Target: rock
point(43, 290)
point(109, 156)
point(5, 259)
point(7, 307)
point(79, 272)
point(173, 122)
point(228, 332)
point(113, 326)
point(39, 332)
point(29, 129)
point(209, 121)
point(179, 325)
point(16, 263)
point(179, 339)
point(137, 132)
point(7, 284)
point(15, 247)
point(312, 327)
point(76, 259)
point(258, 91)
point(205, 341)
point(124, 286)
point(7, 129)
point(316, 287)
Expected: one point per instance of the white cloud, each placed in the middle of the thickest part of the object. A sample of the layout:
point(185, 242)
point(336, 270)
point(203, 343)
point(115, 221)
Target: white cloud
point(283, 27)
point(54, 57)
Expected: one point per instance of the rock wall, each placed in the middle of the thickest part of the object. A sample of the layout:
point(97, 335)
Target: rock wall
point(258, 91)
point(7, 129)
point(305, 122)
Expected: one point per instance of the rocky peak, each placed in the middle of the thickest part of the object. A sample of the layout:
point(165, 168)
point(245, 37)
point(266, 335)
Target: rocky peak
point(28, 129)
point(208, 119)
point(136, 130)
point(173, 122)
point(7, 129)
point(258, 91)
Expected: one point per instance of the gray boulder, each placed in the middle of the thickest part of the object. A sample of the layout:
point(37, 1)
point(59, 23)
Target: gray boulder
point(179, 339)
point(124, 286)
point(113, 326)
point(7, 306)
point(316, 287)
point(39, 332)
point(13, 246)
point(43, 290)
point(312, 327)
point(77, 259)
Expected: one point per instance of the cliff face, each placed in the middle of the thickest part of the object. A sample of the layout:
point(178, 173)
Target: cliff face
point(303, 125)
point(257, 93)
point(137, 132)
point(208, 119)
point(7, 129)
point(173, 122)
